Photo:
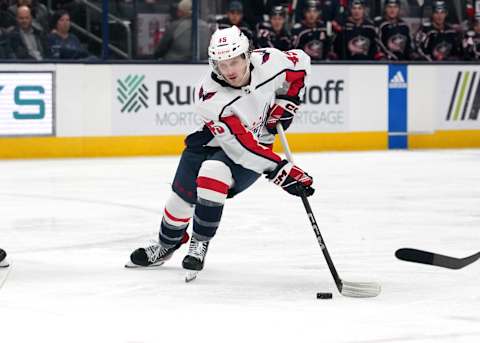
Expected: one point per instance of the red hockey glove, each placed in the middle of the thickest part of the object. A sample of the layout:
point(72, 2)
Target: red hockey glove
point(283, 110)
point(291, 178)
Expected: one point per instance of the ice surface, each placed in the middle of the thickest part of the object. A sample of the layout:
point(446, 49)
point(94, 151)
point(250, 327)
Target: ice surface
point(70, 225)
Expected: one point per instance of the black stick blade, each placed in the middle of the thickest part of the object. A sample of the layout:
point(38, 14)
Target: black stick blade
point(425, 257)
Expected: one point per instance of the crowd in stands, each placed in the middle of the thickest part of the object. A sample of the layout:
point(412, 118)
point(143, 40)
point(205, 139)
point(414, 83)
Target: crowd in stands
point(324, 29)
point(342, 30)
point(29, 32)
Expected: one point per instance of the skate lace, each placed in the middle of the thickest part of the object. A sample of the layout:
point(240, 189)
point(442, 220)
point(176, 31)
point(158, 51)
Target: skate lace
point(154, 251)
point(198, 249)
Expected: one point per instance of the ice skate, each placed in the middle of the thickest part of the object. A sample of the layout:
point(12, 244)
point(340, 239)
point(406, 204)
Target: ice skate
point(153, 255)
point(3, 259)
point(193, 262)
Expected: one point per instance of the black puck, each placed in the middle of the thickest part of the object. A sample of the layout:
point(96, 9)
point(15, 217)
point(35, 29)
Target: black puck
point(324, 295)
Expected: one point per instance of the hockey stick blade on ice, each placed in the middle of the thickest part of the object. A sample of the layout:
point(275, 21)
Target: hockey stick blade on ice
point(425, 257)
point(346, 288)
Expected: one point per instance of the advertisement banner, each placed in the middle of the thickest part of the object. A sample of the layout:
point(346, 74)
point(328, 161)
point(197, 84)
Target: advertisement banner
point(158, 100)
point(26, 103)
point(459, 98)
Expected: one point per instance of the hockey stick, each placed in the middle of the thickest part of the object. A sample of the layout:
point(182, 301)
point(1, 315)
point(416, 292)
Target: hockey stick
point(348, 289)
point(425, 257)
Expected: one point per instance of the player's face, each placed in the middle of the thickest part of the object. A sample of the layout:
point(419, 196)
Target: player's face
point(235, 17)
point(277, 22)
point(234, 71)
point(311, 16)
point(439, 17)
point(392, 11)
point(358, 12)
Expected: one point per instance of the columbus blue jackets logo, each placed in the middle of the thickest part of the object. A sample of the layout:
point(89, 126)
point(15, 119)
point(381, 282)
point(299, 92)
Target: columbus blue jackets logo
point(205, 96)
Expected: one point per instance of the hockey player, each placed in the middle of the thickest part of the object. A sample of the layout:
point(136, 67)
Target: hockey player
point(272, 33)
point(240, 101)
point(311, 34)
point(471, 42)
point(393, 33)
point(234, 16)
point(3, 259)
point(437, 40)
point(357, 38)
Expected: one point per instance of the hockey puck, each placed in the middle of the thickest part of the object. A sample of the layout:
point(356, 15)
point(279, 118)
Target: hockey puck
point(324, 295)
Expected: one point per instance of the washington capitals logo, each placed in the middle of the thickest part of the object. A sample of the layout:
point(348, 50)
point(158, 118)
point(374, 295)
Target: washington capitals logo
point(205, 96)
point(265, 55)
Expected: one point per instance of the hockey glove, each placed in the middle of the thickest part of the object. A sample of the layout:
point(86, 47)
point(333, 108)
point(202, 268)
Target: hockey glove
point(292, 179)
point(283, 110)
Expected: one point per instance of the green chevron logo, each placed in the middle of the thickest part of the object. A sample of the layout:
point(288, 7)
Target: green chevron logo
point(132, 93)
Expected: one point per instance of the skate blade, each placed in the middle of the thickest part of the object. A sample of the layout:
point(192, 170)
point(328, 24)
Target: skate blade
point(131, 265)
point(191, 275)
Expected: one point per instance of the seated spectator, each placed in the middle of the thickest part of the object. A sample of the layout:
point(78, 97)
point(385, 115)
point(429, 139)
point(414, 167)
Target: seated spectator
point(311, 34)
point(176, 43)
point(62, 43)
point(272, 33)
point(393, 33)
point(471, 42)
point(437, 40)
point(235, 17)
point(25, 41)
point(39, 13)
point(357, 36)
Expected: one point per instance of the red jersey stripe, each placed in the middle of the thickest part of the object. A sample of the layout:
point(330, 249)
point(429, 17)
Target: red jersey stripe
point(247, 140)
point(296, 80)
point(212, 184)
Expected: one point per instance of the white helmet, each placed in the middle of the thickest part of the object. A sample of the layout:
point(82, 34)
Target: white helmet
point(225, 44)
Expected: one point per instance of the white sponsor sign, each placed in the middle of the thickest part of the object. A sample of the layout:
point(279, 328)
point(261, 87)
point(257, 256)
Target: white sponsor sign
point(155, 100)
point(459, 98)
point(26, 103)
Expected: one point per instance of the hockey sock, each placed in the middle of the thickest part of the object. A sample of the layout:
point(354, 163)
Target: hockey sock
point(213, 181)
point(176, 217)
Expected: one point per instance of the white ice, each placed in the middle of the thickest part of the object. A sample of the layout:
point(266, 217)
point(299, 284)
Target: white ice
point(70, 225)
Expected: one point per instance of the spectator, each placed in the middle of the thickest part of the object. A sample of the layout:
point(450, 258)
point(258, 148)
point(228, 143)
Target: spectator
point(235, 17)
point(38, 10)
point(253, 12)
point(25, 41)
point(176, 43)
point(357, 37)
point(393, 33)
point(437, 40)
point(62, 43)
point(272, 33)
point(471, 42)
point(311, 34)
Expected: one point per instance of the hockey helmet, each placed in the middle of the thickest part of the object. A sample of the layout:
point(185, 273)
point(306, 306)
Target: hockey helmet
point(226, 44)
point(357, 3)
point(439, 6)
point(392, 2)
point(277, 11)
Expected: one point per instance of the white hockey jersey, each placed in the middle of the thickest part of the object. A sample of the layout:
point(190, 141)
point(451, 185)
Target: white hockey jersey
point(235, 117)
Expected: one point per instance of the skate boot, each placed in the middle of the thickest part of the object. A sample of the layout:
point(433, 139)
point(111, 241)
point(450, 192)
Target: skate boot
point(3, 259)
point(154, 255)
point(195, 259)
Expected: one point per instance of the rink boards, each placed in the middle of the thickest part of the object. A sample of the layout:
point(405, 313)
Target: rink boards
point(75, 110)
